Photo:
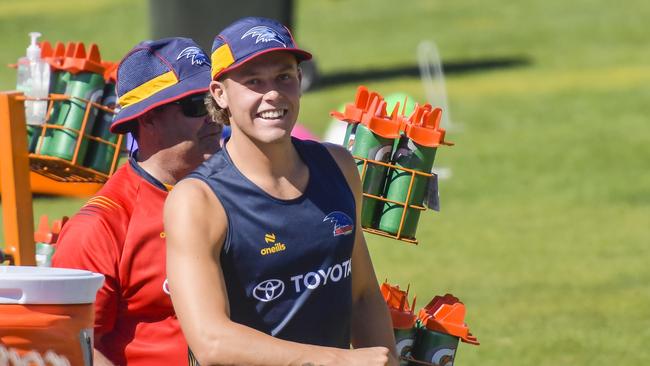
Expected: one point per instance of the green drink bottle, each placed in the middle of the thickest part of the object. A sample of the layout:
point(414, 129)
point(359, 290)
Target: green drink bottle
point(374, 140)
point(59, 78)
point(434, 347)
point(408, 105)
point(403, 319)
point(55, 57)
point(100, 155)
point(404, 341)
point(412, 156)
point(353, 113)
point(440, 325)
point(416, 151)
point(86, 82)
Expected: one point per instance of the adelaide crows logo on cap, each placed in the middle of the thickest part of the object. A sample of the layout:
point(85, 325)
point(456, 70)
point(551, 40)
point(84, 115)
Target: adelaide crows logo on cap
point(343, 224)
point(264, 34)
point(196, 54)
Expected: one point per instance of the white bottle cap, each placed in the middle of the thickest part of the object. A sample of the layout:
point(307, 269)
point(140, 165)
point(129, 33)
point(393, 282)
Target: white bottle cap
point(33, 51)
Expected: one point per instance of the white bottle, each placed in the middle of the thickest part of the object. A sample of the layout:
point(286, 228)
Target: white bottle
point(38, 83)
point(22, 79)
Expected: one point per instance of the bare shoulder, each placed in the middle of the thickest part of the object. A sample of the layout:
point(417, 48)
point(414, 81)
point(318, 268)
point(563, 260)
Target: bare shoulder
point(338, 152)
point(193, 206)
point(344, 160)
point(193, 197)
point(190, 189)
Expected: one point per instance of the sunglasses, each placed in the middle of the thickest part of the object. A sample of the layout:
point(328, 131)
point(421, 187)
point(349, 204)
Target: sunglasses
point(193, 106)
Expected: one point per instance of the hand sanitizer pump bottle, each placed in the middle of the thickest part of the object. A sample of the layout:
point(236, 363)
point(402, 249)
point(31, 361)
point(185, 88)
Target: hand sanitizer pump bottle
point(38, 84)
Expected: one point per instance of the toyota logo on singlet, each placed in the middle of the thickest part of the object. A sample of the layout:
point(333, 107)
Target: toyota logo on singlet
point(268, 290)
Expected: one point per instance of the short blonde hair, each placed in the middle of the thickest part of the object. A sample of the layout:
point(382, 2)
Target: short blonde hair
point(217, 113)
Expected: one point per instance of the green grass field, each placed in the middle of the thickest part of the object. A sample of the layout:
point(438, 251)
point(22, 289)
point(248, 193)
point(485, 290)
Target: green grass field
point(545, 221)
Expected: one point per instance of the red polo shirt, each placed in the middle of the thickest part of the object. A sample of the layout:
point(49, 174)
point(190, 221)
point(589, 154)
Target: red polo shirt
point(119, 233)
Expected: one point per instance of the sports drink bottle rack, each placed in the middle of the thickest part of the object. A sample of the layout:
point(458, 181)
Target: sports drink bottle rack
point(394, 155)
point(405, 204)
point(58, 147)
point(72, 145)
point(72, 170)
point(429, 337)
point(16, 163)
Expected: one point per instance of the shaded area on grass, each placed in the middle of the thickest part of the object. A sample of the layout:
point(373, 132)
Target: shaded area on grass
point(453, 67)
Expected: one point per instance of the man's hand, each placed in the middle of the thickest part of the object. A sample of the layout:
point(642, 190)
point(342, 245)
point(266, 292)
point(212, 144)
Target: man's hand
point(370, 356)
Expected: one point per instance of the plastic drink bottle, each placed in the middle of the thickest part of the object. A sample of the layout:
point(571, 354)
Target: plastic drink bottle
point(440, 325)
point(33, 80)
point(410, 155)
point(39, 83)
point(100, 155)
point(58, 80)
point(416, 151)
point(60, 76)
point(353, 113)
point(86, 85)
point(403, 320)
point(433, 347)
point(22, 75)
point(23, 85)
point(374, 140)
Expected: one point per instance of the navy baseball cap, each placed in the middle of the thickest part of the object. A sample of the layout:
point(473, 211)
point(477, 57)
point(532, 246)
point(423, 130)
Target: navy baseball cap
point(155, 73)
point(248, 38)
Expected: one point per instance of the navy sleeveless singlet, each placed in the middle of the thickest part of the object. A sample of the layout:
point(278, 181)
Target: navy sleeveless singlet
point(287, 263)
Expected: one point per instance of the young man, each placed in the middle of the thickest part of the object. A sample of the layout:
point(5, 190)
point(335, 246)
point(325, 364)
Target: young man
point(266, 261)
point(161, 87)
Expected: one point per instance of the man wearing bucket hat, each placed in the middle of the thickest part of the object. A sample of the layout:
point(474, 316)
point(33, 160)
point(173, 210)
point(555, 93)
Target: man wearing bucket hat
point(266, 260)
point(161, 86)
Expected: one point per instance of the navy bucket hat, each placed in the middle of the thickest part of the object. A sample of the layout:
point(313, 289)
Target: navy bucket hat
point(248, 38)
point(155, 73)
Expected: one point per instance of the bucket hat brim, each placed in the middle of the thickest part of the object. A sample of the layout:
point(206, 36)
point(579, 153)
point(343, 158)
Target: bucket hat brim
point(195, 84)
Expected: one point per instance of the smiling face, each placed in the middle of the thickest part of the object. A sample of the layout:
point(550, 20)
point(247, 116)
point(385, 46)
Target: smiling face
point(262, 97)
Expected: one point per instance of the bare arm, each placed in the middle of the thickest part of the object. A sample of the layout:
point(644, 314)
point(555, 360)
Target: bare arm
point(371, 324)
point(196, 226)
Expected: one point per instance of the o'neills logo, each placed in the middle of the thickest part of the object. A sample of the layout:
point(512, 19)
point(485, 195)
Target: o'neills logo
point(276, 247)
